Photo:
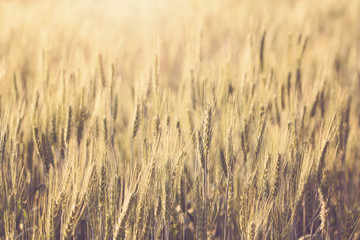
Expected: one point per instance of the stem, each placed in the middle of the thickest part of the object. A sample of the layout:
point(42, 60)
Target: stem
point(294, 229)
point(205, 198)
point(155, 230)
point(327, 230)
point(167, 229)
point(304, 216)
point(226, 203)
point(312, 220)
point(101, 225)
point(184, 224)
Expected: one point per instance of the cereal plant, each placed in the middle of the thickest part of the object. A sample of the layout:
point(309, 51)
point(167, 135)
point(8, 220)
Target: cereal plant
point(179, 119)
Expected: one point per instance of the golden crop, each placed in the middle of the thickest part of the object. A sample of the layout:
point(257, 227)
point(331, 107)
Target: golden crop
point(179, 119)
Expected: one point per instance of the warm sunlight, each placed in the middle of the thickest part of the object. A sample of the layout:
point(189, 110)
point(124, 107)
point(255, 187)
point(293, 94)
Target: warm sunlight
point(179, 119)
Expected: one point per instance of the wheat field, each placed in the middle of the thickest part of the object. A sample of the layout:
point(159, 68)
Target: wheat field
point(179, 119)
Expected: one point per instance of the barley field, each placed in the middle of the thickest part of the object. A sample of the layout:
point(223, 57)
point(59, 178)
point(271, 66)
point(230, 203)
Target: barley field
point(179, 119)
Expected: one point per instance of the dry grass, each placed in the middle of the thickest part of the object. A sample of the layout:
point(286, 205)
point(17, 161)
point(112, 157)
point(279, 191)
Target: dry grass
point(179, 119)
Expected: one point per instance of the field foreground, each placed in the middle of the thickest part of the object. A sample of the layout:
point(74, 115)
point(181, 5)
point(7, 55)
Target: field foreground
point(180, 119)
